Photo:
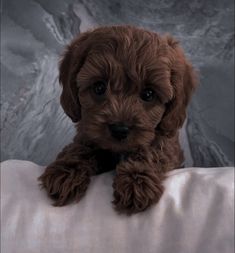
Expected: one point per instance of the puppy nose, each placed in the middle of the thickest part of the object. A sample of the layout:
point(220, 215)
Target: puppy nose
point(119, 131)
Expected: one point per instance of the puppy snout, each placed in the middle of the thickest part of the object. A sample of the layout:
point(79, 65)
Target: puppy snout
point(119, 131)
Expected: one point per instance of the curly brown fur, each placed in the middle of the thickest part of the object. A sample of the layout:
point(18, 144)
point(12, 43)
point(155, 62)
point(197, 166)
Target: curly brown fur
point(124, 61)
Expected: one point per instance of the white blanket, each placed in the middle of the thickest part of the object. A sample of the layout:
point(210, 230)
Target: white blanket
point(195, 215)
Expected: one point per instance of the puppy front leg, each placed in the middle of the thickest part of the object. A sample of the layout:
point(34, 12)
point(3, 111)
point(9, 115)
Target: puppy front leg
point(67, 178)
point(137, 185)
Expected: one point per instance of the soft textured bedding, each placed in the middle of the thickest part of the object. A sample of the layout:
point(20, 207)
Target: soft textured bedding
point(195, 215)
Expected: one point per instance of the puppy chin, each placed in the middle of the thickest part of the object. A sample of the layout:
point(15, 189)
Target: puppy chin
point(121, 146)
point(113, 145)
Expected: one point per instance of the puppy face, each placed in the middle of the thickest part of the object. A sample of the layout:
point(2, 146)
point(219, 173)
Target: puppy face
point(121, 100)
point(126, 86)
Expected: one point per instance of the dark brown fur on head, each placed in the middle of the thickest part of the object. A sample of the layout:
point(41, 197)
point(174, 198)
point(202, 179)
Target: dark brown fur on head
point(128, 60)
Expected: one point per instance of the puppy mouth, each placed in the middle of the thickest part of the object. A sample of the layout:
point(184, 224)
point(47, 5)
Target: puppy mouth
point(118, 138)
point(123, 144)
point(118, 145)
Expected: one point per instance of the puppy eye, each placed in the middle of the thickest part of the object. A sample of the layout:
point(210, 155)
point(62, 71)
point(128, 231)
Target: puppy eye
point(99, 88)
point(147, 95)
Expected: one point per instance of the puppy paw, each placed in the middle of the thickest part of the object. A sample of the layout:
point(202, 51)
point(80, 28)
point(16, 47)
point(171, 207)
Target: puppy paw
point(64, 185)
point(136, 189)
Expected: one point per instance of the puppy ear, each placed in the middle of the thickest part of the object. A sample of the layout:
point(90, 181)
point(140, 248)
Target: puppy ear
point(183, 80)
point(72, 60)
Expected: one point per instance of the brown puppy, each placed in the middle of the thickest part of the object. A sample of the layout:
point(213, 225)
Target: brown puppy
point(127, 89)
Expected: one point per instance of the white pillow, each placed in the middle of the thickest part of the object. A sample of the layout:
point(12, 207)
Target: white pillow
point(195, 215)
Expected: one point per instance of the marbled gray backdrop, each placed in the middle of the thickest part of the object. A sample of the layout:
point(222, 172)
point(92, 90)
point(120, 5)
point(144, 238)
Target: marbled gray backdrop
point(34, 33)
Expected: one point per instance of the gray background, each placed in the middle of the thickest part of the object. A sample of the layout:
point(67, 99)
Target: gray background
point(34, 32)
